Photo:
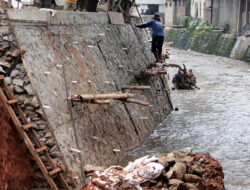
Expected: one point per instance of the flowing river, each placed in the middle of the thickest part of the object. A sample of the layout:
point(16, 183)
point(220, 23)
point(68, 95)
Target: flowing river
point(214, 119)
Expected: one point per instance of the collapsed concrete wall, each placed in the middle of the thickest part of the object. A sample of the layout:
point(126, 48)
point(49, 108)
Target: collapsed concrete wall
point(81, 53)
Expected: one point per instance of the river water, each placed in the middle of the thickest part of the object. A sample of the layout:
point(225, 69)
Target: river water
point(214, 119)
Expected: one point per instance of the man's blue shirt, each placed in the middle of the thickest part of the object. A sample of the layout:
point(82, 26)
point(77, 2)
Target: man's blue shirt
point(157, 27)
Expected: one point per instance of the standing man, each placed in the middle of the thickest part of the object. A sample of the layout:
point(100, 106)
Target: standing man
point(157, 34)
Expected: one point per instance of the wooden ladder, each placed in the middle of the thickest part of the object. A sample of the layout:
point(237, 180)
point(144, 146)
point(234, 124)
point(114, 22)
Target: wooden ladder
point(25, 130)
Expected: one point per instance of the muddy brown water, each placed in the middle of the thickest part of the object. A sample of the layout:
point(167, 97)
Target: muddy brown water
point(214, 119)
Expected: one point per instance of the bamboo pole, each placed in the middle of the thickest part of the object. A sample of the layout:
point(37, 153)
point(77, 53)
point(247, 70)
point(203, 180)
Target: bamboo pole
point(101, 102)
point(131, 100)
point(89, 97)
point(137, 87)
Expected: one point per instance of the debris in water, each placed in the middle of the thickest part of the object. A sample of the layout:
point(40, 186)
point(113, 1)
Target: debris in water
point(184, 80)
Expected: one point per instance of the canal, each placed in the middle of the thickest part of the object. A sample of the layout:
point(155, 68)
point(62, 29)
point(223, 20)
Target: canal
point(214, 119)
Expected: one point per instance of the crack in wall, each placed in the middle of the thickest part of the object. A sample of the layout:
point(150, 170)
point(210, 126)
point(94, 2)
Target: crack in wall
point(117, 88)
point(72, 118)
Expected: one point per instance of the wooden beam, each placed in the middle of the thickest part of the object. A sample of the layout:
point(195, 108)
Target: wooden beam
point(137, 87)
point(12, 101)
point(27, 126)
point(89, 97)
point(43, 148)
point(53, 172)
point(101, 101)
point(1, 77)
point(131, 100)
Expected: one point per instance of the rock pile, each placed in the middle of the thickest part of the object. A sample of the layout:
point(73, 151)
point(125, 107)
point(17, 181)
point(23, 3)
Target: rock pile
point(18, 82)
point(172, 171)
point(184, 80)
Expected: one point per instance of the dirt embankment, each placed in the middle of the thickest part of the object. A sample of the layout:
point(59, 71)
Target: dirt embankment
point(15, 168)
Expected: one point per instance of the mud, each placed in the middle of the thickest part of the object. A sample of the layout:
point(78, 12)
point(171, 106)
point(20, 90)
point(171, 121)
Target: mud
point(16, 170)
point(213, 174)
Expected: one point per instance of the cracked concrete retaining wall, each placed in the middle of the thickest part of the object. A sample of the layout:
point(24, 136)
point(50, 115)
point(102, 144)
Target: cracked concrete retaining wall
point(216, 43)
point(84, 47)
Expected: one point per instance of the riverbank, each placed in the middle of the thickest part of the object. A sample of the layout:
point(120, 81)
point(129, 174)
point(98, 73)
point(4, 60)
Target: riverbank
point(211, 42)
point(214, 119)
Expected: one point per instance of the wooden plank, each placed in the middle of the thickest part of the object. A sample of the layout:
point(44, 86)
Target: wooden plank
point(53, 172)
point(12, 101)
point(27, 126)
point(28, 142)
point(43, 148)
point(137, 87)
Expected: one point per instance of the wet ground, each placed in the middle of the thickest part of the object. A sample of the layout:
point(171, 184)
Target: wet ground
point(214, 119)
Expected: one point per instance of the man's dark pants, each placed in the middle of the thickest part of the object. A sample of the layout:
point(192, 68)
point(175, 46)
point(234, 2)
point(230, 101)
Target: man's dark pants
point(157, 44)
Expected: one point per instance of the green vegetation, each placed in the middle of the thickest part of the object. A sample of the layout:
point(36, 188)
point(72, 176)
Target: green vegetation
point(202, 38)
point(199, 27)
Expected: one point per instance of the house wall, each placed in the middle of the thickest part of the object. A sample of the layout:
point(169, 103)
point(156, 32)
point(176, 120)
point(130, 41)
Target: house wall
point(180, 11)
point(175, 12)
point(225, 12)
point(169, 16)
point(143, 5)
point(197, 9)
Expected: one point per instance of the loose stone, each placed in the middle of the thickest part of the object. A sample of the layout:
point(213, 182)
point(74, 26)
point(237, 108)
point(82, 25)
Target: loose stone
point(29, 90)
point(18, 82)
point(18, 90)
point(8, 80)
point(14, 73)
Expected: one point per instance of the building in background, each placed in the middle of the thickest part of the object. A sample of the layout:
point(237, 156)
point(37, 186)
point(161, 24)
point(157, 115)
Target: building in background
point(147, 8)
point(222, 13)
point(175, 12)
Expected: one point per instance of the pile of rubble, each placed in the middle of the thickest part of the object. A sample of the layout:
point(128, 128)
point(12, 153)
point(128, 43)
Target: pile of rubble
point(173, 171)
point(184, 80)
